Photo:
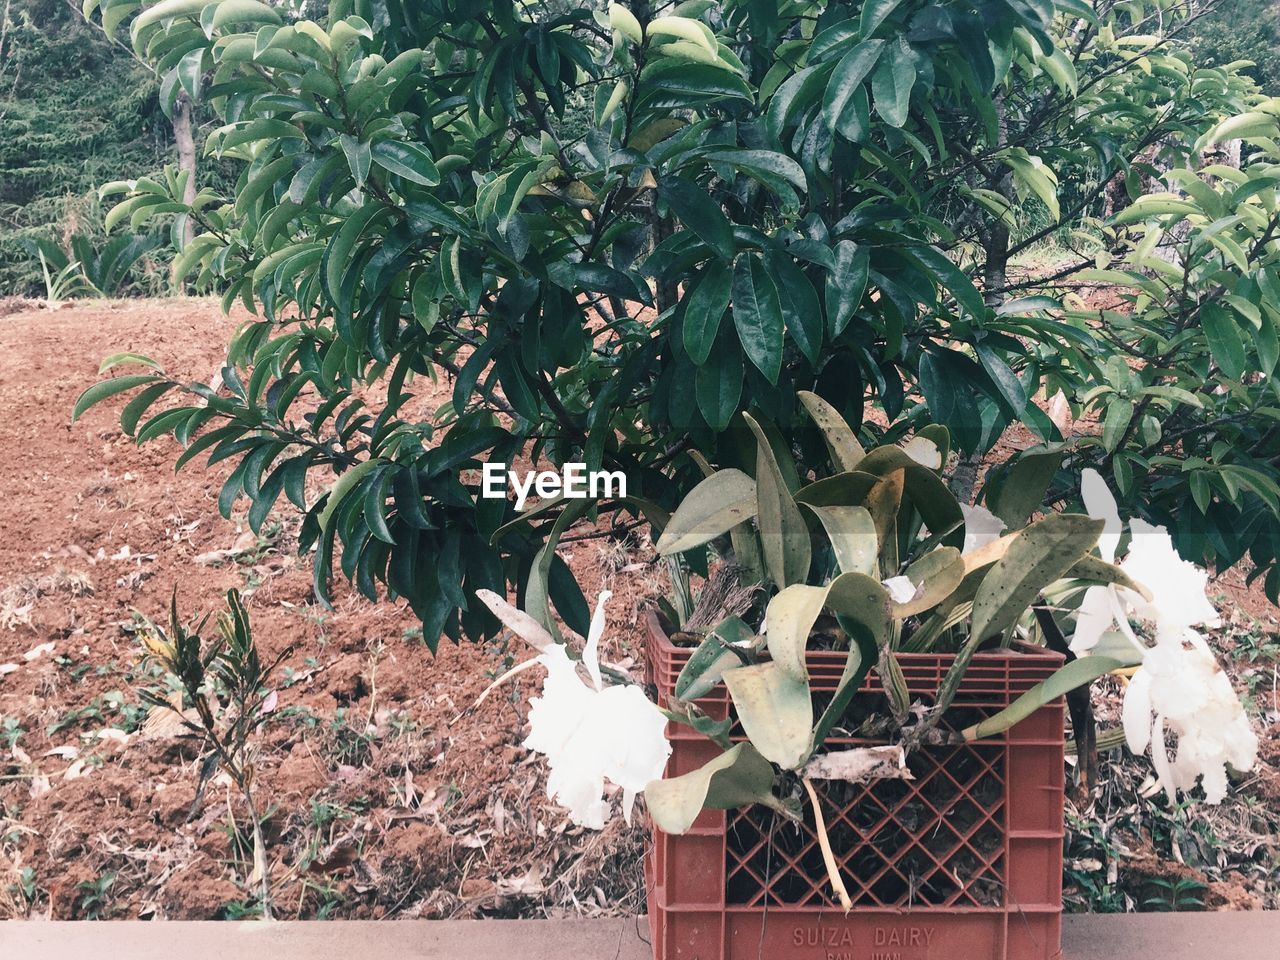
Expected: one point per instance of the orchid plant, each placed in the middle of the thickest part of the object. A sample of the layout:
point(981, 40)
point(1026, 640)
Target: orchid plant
point(878, 558)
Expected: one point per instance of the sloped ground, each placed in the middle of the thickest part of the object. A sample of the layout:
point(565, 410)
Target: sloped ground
point(386, 797)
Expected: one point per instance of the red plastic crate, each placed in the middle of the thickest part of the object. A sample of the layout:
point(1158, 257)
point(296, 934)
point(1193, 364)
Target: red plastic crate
point(962, 863)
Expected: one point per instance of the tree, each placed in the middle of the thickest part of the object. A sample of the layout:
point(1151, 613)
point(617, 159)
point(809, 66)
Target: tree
point(617, 232)
point(1242, 30)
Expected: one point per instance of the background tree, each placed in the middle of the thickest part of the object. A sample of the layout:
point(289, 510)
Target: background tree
point(75, 111)
point(1242, 30)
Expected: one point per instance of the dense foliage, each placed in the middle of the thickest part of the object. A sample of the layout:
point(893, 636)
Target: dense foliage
point(619, 232)
point(74, 112)
point(1242, 30)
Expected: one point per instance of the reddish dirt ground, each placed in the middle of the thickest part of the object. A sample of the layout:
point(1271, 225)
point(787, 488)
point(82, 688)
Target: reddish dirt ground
point(384, 800)
point(385, 796)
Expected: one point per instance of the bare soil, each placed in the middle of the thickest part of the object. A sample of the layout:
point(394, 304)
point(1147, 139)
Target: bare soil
point(385, 795)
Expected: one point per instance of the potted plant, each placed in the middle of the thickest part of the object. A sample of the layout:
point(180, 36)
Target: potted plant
point(866, 751)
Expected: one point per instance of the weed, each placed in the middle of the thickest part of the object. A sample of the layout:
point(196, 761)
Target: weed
point(130, 715)
point(93, 896)
point(22, 893)
point(27, 883)
point(1183, 893)
point(323, 813)
point(239, 910)
point(300, 715)
point(328, 898)
point(1091, 886)
point(225, 682)
point(75, 716)
point(349, 746)
point(75, 671)
point(11, 731)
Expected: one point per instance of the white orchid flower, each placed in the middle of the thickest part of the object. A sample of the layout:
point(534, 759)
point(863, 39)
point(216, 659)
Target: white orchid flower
point(1177, 586)
point(1188, 694)
point(1179, 687)
point(588, 732)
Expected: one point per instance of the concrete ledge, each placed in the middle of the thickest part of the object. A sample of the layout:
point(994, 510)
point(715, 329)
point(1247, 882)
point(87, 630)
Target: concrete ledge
point(1184, 936)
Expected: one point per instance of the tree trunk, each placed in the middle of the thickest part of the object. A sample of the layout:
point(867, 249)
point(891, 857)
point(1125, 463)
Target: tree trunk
point(186, 156)
point(995, 238)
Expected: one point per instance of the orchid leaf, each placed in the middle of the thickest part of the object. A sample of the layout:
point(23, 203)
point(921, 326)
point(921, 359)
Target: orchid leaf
point(775, 711)
point(738, 777)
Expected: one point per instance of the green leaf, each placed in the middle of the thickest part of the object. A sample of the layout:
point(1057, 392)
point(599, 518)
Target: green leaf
point(707, 664)
point(757, 315)
point(704, 308)
point(846, 285)
point(928, 493)
point(1225, 340)
point(791, 615)
point(775, 711)
point(939, 572)
point(1075, 674)
point(118, 359)
point(1119, 416)
point(1155, 205)
point(244, 11)
point(1242, 127)
point(846, 79)
point(685, 85)
point(139, 405)
point(861, 605)
point(842, 443)
point(852, 533)
point(108, 388)
point(1039, 555)
point(1036, 177)
point(359, 155)
point(537, 594)
point(190, 72)
point(737, 778)
point(341, 487)
point(337, 256)
point(874, 13)
point(716, 505)
point(407, 160)
point(801, 312)
point(784, 536)
point(168, 9)
point(764, 165)
point(624, 22)
point(700, 213)
point(892, 83)
point(948, 275)
point(1096, 570)
point(1023, 485)
point(861, 657)
point(718, 386)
